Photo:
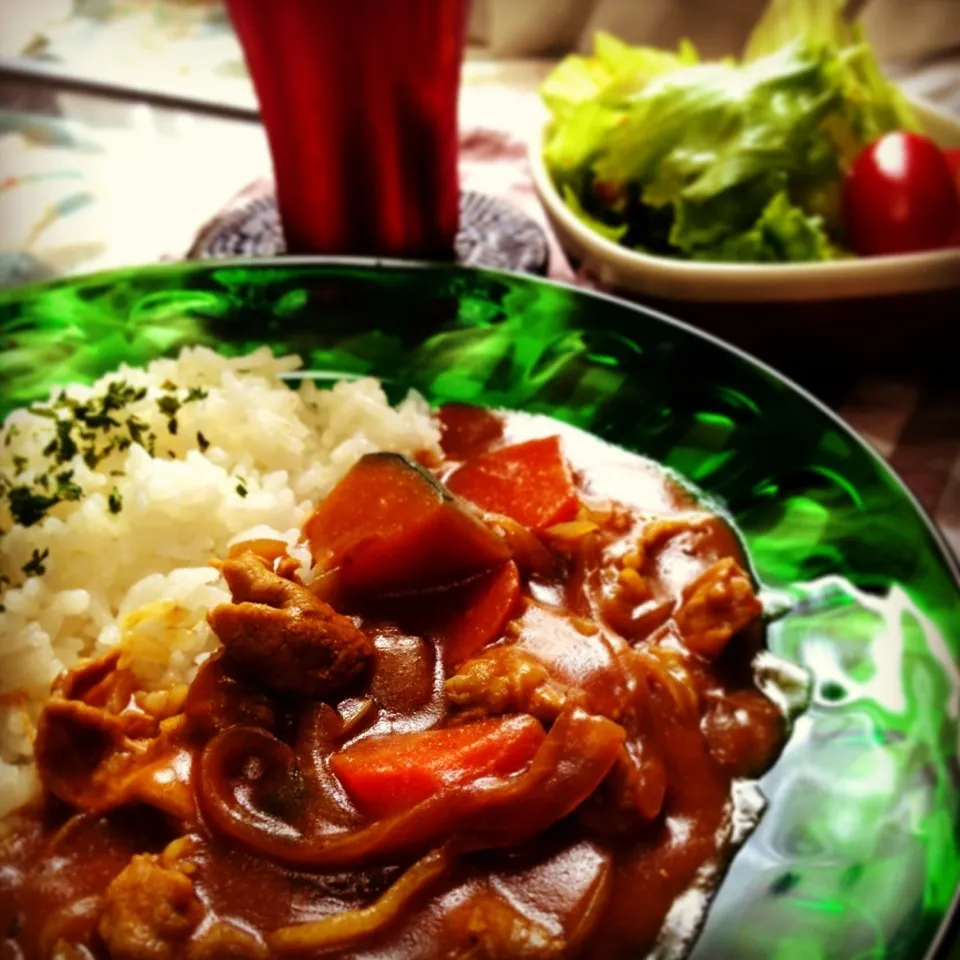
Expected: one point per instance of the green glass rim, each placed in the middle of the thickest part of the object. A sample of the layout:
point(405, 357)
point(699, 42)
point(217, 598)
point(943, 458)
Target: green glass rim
point(939, 947)
point(947, 554)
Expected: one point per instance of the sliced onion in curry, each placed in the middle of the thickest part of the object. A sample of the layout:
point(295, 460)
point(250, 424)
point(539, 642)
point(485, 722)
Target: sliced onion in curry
point(353, 925)
point(577, 754)
point(620, 628)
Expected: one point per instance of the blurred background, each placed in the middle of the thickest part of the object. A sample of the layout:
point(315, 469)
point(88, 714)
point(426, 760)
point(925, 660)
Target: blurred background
point(125, 125)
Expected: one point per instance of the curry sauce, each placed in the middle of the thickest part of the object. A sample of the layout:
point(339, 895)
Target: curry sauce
point(502, 717)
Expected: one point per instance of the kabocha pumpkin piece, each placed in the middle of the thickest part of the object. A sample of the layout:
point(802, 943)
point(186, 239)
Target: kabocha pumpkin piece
point(390, 526)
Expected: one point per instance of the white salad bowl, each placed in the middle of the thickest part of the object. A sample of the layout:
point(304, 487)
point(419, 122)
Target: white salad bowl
point(671, 279)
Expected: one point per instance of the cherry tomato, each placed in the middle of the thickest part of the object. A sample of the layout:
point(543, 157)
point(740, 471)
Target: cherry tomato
point(900, 197)
point(953, 162)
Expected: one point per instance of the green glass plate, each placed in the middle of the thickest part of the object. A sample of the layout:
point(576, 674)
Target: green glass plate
point(858, 855)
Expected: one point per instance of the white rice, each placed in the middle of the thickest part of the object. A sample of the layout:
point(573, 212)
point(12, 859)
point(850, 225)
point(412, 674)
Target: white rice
point(138, 576)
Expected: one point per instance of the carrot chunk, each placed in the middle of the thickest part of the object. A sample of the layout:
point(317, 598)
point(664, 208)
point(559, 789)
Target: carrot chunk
point(390, 774)
point(528, 482)
point(485, 606)
point(390, 526)
point(467, 431)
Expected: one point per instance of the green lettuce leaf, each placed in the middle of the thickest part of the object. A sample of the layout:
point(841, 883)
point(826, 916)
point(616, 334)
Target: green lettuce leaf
point(704, 224)
point(629, 69)
point(571, 146)
point(613, 73)
point(587, 96)
point(574, 81)
point(818, 21)
point(746, 158)
point(782, 233)
point(881, 106)
point(702, 130)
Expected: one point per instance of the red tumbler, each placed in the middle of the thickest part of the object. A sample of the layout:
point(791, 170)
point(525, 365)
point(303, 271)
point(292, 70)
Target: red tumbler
point(359, 100)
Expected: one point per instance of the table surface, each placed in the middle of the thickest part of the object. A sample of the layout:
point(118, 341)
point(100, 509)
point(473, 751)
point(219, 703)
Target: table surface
point(89, 182)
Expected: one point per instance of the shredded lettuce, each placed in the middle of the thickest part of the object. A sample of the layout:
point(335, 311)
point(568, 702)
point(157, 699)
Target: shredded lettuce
point(614, 72)
point(721, 160)
point(782, 233)
point(606, 230)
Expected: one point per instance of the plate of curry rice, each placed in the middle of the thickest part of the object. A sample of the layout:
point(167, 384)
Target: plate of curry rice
point(391, 610)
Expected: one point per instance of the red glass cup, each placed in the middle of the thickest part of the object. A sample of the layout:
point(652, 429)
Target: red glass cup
point(359, 100)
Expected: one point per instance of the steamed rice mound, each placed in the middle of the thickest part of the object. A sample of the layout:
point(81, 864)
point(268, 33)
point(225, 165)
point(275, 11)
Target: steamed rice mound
point(113, 499)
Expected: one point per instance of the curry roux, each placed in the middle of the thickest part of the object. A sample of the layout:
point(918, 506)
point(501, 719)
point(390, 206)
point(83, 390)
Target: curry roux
point(525, 750)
